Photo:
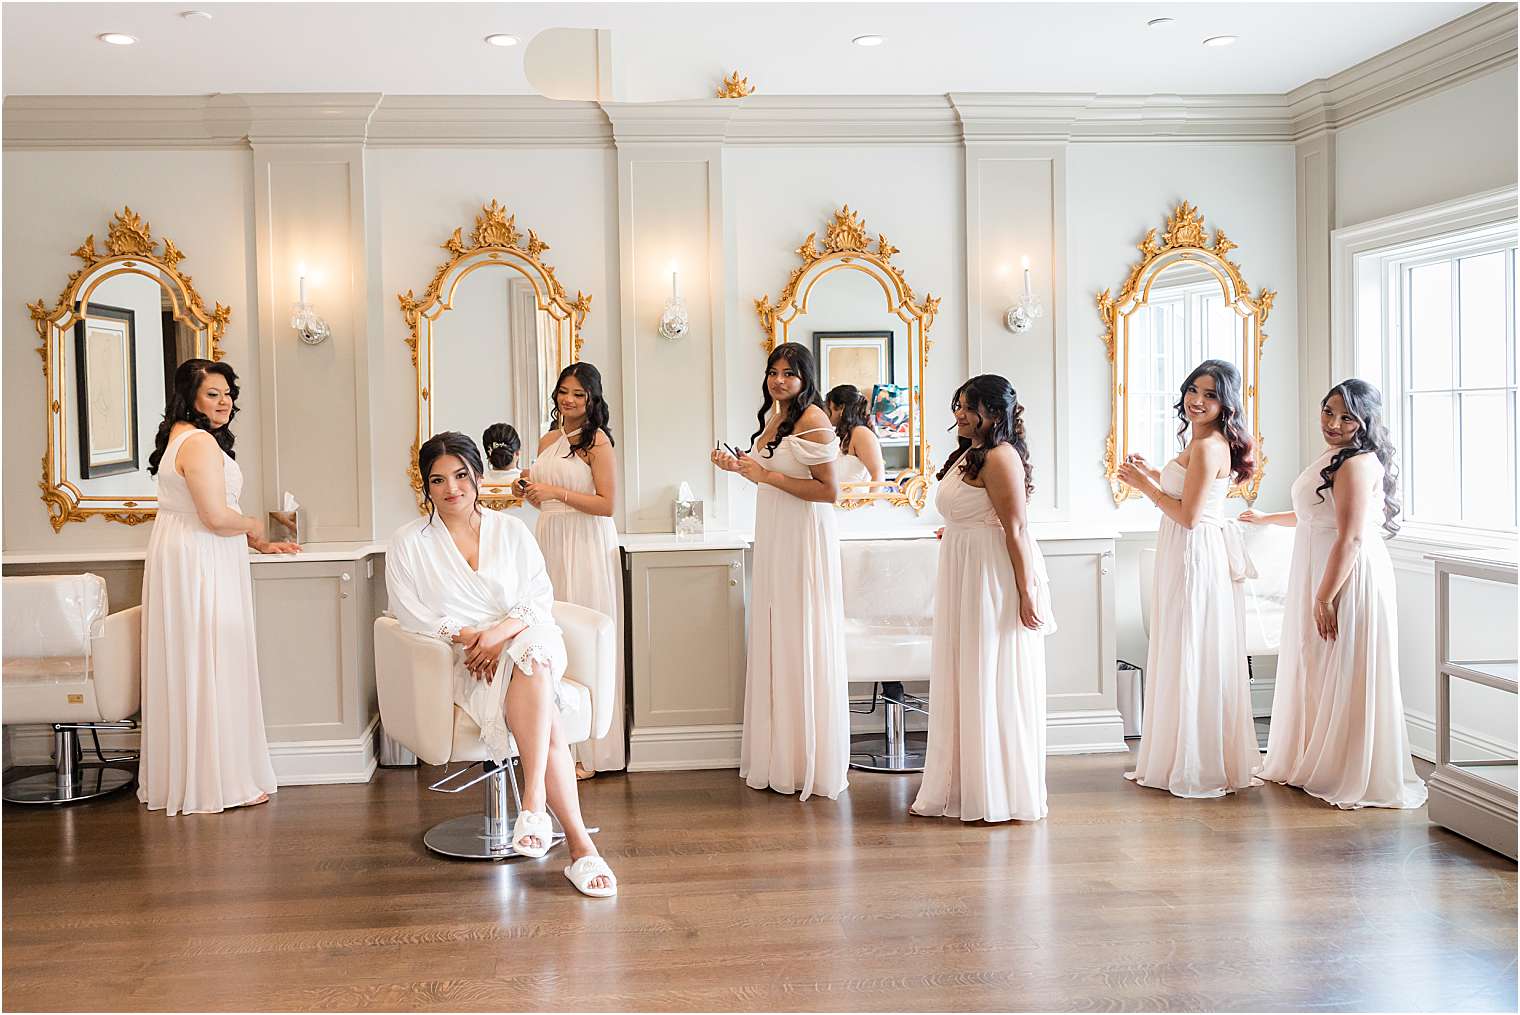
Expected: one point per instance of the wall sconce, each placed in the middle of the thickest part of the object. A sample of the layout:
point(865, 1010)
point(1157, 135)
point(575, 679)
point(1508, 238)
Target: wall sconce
point(312, 329)
point(674, 320)
point(1022, 315)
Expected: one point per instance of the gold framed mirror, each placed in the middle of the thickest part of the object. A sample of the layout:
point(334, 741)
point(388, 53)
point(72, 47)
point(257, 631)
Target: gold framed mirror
point(489, 336)
point(879, 345)
point(122, 324)
point(1184, 302)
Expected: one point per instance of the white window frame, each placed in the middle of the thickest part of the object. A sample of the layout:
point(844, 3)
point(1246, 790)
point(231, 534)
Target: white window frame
point(1365, 316)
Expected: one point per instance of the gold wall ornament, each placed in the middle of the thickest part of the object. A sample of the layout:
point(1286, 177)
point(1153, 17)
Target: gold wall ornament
point(130, 249)
point(847, 246)
point(735, 87)
point(1184, 240)
point(495, 240)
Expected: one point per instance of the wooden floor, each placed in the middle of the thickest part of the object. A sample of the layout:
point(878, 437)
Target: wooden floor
point(732, 899)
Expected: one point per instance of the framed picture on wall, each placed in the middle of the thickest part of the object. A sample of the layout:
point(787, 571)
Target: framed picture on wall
point(861, 358)
point(105, 363)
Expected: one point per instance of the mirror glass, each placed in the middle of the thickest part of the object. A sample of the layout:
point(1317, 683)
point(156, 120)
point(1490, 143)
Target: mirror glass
point(118, 362)
point(1184, 318)
point(858, 341)
point(494, 363)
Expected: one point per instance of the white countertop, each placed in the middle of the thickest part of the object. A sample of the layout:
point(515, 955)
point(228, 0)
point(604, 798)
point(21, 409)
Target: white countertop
point(653, 542)
point(313, 552)
point(1044, 532)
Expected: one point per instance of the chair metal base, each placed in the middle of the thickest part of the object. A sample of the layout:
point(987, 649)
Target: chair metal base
point(486, 836)
point(71, 780)
point(86, 783)
point(877, 754)
point(470, 838)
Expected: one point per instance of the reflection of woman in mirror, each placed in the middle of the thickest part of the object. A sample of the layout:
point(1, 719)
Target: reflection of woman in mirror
point(474, 578)
point(986, 754)
point(1338, 714)
point(1197, 737)
point(203, 742)
point(796, 705)
point(502, 445)
point(859, 451)
point(573, 483)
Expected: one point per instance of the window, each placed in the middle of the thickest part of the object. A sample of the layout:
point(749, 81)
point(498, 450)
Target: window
point(1434, 327)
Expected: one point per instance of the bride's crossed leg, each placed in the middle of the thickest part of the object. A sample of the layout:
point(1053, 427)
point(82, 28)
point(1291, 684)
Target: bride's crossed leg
point(547, 767)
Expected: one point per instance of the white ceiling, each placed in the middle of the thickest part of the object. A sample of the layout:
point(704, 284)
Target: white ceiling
point(674, 51)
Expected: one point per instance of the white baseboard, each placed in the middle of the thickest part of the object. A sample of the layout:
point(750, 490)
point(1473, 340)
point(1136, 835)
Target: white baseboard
point(297, 763)
point(682, 748)
point(1472, 810)
point(1471, 745)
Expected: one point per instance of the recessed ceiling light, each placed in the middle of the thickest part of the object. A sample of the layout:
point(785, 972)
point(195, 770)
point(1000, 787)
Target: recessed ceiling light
point(1158, 22)
point(868, 40)
point(1220, 40)
point(501, 40)
point(195, 15)
point(117, 38)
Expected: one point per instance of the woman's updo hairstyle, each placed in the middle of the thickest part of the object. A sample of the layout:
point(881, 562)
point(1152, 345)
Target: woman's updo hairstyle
point(502, 444)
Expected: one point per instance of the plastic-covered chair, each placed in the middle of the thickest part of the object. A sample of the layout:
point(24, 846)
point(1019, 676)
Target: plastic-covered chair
point(72, 664)
point(414, 678)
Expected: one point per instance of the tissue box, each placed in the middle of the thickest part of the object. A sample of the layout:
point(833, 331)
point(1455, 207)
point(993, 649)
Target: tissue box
point(286, 527)
point(689, 522)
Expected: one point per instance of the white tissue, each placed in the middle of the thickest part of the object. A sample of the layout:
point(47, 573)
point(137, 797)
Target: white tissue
point(684, 494)
point(289, 503)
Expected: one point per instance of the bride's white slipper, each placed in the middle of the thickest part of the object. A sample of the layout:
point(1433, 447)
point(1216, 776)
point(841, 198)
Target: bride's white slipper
point(586, 870)
point(536, 824)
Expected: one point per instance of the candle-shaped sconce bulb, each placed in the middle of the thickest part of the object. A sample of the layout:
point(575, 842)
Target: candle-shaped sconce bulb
point(301, 274)
point(1026, 277)
point(675, 284)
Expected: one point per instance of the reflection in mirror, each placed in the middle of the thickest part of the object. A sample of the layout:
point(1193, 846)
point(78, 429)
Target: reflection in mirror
point(123, 323)
point(1184, 302)
point(1185, 320)
point(489, 362)
point(489, 337)
point(867, 330)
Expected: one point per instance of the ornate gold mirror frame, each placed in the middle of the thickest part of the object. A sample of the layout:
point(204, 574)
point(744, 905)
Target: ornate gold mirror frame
point(846, 247)
point(130, 249)
point(1184, 240)
point(497, 241)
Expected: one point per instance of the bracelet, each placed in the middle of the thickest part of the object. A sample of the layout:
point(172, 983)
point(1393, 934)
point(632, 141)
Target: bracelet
point(1324, 602)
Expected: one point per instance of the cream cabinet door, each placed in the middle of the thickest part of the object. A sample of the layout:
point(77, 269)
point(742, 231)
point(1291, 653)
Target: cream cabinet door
point(688, 638)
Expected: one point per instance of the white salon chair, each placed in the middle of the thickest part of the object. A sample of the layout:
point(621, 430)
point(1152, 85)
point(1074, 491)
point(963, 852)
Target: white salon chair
point(414, 678)
point(74, 665)
point(888, 638)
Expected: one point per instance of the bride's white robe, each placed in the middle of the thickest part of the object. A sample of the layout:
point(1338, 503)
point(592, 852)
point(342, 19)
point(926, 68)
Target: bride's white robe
point(434, 592)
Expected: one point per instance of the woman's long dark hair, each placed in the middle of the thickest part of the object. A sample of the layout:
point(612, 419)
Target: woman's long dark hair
point(1232, 415)
point(502, 444)
point(856, 411)
point(450, 442)
point(992, 396)
point(181, 407)
point(801, 360)
point(597, 413)
point(1365, 402)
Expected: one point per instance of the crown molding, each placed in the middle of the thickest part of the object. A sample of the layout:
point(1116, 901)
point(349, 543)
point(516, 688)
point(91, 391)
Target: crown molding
point(1475, 44)
point(488, 121)
point(1480, 42)
point(694, 121)
point(844, 120)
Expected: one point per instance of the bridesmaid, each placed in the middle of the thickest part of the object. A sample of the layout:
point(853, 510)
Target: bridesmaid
point(1197, 738)
point(573, 483)
point(1338, 717)
point(860, 458)
point(986, 756)
point(796, 705)
point(203, 742)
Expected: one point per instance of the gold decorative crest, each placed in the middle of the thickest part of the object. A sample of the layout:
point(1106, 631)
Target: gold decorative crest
point(1184, 237)
point(495, 238)
point(130, 249)
point(735, 87)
